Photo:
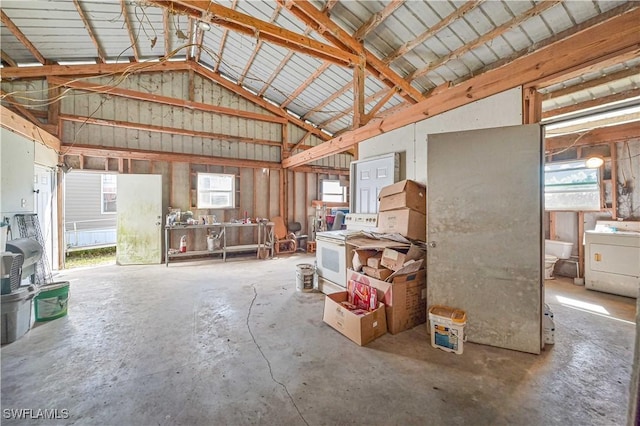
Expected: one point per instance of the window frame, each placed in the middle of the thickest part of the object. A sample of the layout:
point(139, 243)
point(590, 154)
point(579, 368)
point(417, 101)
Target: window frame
point(200, 203)
point(342, 194)
point(580, 187)
point(102, 193)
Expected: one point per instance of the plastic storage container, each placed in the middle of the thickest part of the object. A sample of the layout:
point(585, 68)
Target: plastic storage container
point(447, 328)
point(16, 313)
point(52, 302)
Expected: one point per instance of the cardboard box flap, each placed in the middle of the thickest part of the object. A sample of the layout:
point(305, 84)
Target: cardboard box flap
point(408, 268)
point(364, 243)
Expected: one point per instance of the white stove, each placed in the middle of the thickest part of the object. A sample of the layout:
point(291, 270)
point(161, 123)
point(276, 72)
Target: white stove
point(332, 259)
point(362, 221)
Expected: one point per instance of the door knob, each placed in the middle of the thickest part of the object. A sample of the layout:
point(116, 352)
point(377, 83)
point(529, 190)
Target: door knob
point(432, 244)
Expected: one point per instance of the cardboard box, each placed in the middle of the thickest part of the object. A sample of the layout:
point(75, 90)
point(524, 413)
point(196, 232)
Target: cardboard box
point(392, 259)
point(404, 298)
point(374, 261)
point(404, 194)
point(406, 222)
point(378, 273)
point(360, 329)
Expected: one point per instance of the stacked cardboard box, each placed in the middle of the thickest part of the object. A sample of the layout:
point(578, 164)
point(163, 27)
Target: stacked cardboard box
point(403, 210)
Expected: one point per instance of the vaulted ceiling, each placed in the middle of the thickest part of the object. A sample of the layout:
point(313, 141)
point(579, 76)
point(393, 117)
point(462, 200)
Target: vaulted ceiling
point(331, 66)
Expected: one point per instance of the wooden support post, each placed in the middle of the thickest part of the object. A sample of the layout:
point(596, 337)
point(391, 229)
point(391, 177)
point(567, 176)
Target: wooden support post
point(62, 250)
point(120, 165)
point(532, 106)
point(282, 180)
point(358, 93)
point(192, 87)
point(54, 107)
point(552, 225)
point(580, 245)
point(613, 151)
point(286, 150)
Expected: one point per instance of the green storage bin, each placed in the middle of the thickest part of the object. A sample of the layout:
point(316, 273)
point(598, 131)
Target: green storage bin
point(52, 302)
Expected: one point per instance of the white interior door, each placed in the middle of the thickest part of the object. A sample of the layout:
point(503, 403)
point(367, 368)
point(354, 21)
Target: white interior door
point(369, 177)
point(139, 206)
point(484, 231)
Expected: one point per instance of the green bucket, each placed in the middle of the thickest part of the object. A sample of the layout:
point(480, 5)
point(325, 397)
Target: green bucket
point(52, 301)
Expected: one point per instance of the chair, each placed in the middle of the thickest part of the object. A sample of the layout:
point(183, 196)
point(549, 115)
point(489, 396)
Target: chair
point(301, 240)
point(285, 242)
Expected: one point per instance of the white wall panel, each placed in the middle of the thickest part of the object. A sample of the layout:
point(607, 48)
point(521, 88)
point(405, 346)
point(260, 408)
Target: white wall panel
point(502, 109)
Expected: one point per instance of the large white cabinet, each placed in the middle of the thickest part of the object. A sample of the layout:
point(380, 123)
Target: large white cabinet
point(612, 262)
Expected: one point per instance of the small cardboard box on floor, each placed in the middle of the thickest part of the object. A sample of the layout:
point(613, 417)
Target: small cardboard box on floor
point(361, 329)
point(404, 298)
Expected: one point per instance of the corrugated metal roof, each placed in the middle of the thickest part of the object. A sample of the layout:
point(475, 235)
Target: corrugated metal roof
point(57, 32)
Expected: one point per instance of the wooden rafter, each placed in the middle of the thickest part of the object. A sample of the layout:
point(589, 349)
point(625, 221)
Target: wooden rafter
point(618, 33)
point(322, 23)
point(165, 129)
point(607, 78)
point(97, 69)
point(485, 38)
point(87, 25)
point(327, 7)
point(21, 37)
point(410, 45)
point(13, 122)
point(591, 103)
point(7, 59)
point(384, 93)
point(127, 21)
point(258, 100)
point(165, 100)
point(20, 108)
point(301, 141)
point(344, 89)
point(166, 32)
point(199, 41)
point(254, 27)
point(376, 19)
point(223, 41)
point(387, 95)
point(322, 68)
point(256, 49)
point(616, 133)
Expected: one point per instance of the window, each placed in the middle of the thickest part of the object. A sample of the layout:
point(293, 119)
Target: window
point(333, 192)
point(109, 187)
point(216, 191)
point(571, 186)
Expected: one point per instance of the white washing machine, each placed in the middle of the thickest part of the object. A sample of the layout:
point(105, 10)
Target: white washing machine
point(612, 261)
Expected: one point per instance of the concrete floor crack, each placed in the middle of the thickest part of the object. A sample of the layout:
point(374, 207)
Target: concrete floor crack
point(253, 301)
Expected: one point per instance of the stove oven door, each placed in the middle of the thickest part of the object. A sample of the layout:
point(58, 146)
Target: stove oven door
point(331, 265)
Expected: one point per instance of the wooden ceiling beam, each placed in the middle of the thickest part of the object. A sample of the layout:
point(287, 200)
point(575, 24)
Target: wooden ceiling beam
point(164, 100)
point(410, 45)
point(386, 97)
point(23, 127)
point(376, 19)
point(256, 49)
point(322, 68)
point(331, 31)
point(20, 108)
point(616, 34)
point(7, 59)
point(384, 93)
point(171, 157)
point(164, 129)
point(327, 8)
point(101, 55)
point(592, 103)
point(301, 141)
point(621, 132)
point(127, 22)
point(86, 70)
point(485, 38)
point(21, 37)
point(595, 82)
point(251, 26)
point(258, 100)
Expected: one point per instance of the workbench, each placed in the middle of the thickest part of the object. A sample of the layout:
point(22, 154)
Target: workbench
point(264, 239)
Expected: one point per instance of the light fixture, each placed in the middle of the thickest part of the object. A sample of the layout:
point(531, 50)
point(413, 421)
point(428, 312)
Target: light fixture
point(204, 26)
point(594, 162)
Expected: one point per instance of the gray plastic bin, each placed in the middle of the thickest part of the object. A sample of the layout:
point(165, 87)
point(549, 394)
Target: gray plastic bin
point(16, 313)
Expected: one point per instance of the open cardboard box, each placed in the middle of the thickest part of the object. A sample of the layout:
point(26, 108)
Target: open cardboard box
point(361, 329)
point(404, 298)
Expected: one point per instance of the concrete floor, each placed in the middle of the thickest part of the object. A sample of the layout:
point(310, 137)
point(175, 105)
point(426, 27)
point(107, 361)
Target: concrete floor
point(215, 343)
